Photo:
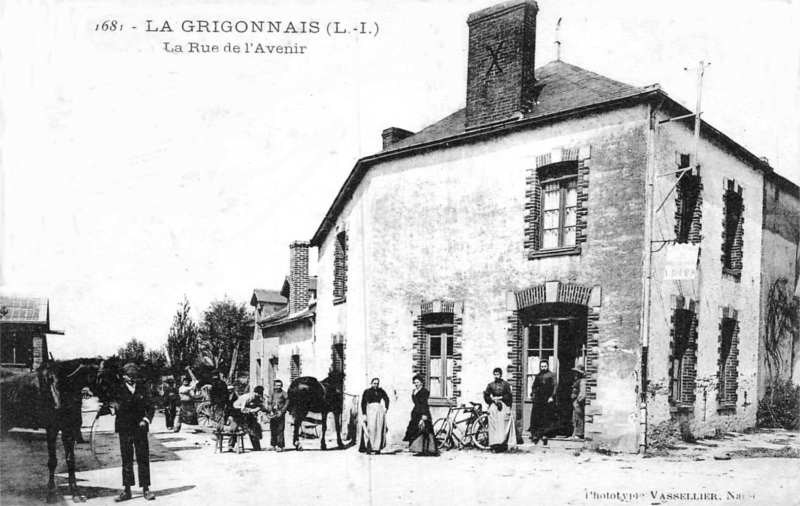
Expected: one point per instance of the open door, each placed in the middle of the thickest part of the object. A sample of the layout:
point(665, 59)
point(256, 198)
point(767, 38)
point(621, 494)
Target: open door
point(554, 332)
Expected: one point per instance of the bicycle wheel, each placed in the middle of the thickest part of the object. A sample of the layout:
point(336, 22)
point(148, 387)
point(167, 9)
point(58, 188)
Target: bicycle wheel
point(480, 432)
point(442, 430)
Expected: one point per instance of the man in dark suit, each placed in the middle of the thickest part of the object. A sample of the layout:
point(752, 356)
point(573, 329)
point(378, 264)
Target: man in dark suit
point(134, 414)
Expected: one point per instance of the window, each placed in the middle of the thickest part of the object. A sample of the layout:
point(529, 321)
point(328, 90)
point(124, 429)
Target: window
point(728, 370)
point(439, 328)
point(683, 357)
point(555, 203)
point(294, 370)
point(733, 229)
point(337, 358)
point(340, 267)
point(541, 341)
point(559, 187)
point(688, 204)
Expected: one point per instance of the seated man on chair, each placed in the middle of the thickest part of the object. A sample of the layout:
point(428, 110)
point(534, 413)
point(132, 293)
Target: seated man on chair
point(245, 414)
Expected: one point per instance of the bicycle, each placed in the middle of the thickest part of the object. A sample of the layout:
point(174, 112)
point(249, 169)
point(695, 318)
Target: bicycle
point(450, 432)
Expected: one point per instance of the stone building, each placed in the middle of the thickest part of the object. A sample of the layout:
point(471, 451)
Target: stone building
point(541, 222)
point(284, 327)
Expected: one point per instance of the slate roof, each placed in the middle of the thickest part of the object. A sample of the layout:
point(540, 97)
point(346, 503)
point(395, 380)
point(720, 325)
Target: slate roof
point(283, 317)
point(268, 296)
point(561, 87)
point(24, 310)
point(312, 285)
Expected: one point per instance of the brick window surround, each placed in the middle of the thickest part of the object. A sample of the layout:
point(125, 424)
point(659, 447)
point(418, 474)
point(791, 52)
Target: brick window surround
point(728, 359)
point(688, 204)
point(732, 229)
point(683, 352)
point(546, 167)
point(427, 321)
point(340, 267)
point(551, 292)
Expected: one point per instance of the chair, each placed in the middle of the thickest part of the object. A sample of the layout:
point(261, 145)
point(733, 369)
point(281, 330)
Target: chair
point(238, 433)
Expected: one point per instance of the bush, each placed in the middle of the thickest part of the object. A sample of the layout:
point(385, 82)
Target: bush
point(780, 407)
point(662, 438)
point(666, 436)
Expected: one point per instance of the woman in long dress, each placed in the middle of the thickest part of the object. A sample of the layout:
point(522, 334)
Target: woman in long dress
point(419, 433)
point(499, 397)
point(374, 405)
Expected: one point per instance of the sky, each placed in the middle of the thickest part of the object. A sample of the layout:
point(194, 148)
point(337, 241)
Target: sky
point(131, 176)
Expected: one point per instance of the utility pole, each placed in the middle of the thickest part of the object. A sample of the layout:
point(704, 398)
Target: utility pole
point(651, 178)
point(558, 40)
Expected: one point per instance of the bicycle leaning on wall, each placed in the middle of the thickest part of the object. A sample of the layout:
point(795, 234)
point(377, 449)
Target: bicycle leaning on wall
point(463, 426)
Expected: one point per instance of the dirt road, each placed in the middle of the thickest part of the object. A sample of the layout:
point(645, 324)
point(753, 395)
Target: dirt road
point(187, 472)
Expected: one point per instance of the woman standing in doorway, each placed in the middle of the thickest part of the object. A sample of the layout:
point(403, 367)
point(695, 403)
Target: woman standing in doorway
point(542, 396)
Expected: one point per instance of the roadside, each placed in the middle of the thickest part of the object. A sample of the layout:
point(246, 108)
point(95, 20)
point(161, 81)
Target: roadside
point(186, 470)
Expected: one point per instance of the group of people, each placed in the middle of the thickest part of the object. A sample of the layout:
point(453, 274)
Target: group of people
point(543, 394)
point(229, 409)
point(374, 406)
point(135, 411)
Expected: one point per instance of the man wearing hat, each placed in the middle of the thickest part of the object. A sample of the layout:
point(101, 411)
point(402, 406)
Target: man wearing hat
point(134, 415)
point(578, 401)
point(245, 413)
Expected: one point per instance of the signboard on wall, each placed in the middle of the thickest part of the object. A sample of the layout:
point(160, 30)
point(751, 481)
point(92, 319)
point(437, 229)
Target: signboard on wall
point(681, 261)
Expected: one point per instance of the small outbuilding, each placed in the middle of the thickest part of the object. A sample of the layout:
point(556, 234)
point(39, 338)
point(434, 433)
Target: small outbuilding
point(24, 326)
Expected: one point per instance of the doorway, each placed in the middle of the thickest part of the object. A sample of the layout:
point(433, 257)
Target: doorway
point(555, 332)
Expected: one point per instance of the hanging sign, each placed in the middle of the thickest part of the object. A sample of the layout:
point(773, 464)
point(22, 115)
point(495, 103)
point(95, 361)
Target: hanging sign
point(681, 261)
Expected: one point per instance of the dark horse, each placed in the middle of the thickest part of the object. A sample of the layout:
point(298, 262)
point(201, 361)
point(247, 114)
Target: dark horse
point(306, 395)
point(51, 398)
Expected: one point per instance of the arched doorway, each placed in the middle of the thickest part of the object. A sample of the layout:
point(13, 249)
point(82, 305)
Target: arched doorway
point(554, 322)
point(555, 332)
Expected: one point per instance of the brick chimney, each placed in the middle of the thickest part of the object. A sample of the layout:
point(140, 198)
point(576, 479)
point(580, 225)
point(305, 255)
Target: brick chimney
point(298, 276)
point(394, 134)
point(500, 78)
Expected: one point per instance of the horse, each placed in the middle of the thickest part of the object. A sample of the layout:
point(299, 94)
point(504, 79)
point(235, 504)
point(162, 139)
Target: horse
point(25, 396)
point(65, 382)
point(306, 394)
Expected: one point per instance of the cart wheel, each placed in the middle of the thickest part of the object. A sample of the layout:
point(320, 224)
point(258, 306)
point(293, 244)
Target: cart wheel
point(442, 432)
point(480, 432)
point(205, 414)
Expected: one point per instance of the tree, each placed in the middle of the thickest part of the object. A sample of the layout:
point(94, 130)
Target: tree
point(182, 348)
point(133, 351)
point(782, 326)
point(151, 362)
point(224, 332)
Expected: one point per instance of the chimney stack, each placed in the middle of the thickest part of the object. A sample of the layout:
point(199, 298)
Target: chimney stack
point(394, 134)
point(298, 276)
point(500, 65)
